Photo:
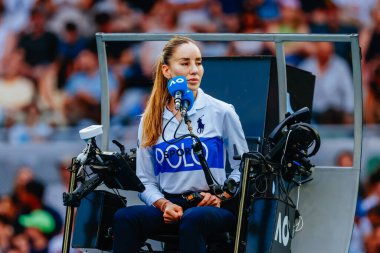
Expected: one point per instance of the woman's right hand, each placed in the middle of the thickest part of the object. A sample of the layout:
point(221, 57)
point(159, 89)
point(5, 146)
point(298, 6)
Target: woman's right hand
point(172, 213)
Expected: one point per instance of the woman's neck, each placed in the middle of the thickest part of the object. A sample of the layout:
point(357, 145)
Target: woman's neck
point(170, 105)
point(195, 92)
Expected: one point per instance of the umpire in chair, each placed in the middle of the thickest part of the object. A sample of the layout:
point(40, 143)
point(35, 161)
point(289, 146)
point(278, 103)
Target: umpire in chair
point(178, 196)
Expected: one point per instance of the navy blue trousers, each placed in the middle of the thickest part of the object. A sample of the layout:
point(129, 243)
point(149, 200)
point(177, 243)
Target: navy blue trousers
point(133, 225)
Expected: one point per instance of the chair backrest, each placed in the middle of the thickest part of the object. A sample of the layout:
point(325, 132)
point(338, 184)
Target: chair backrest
point(250, 84)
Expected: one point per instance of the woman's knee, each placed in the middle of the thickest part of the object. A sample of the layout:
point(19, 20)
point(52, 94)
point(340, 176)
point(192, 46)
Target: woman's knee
point(125, 215)
point(197, 216)
point(207, 218)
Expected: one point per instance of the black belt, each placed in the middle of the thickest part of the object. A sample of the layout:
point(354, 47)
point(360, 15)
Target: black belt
point(188, 196)
point(176, 196)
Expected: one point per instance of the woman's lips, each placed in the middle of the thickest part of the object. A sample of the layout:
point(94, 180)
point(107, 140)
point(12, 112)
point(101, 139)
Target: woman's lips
point(194, 80)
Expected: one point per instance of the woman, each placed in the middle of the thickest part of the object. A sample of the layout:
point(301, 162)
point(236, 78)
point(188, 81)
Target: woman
point(169, 170)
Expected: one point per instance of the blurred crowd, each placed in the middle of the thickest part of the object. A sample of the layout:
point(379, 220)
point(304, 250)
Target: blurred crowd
point(32, 214)
point(49, 78)
point(49, 67)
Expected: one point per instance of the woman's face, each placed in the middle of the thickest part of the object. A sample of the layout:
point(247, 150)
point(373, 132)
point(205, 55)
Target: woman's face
point(186, 61)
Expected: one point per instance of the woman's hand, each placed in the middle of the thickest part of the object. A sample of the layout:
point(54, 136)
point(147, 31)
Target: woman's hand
point(209, 200)
point(172, 212)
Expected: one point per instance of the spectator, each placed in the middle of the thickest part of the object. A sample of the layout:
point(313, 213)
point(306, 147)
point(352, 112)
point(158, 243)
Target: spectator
point(134, 90)
point(20, 90)
point(104, 23)
point(7, 36)
point(38, 225)
point(372, 102)
point(292, 20)
point(53, 197)
point(155, 24)
point(17, 13)
point(331, 24)
point(40, 47)
point(31, 198)
point(191, 12)
point(8, 208)
point(83, 91)
point(73, 11)
point(217, 18)
point(344, 159)
point(40, 50)
point(356, 12)
point(249, 23)
point(372, 241)
point(371, 37)
point(20, 243)
point(13, 205)
point(125, 18)
point(6, 233)
point(54, 191)
point(367, 218)
point(30, 128)
point(70, 45)
point(333, 101)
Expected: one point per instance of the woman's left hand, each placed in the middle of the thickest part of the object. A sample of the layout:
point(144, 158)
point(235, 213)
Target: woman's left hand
point(209, 200)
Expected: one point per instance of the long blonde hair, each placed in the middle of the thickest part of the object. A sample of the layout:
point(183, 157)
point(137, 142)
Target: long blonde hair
point(152, 124)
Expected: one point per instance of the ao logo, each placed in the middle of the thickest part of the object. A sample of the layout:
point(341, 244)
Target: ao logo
point(185, 155)
point(177, 80)
point(282, 231)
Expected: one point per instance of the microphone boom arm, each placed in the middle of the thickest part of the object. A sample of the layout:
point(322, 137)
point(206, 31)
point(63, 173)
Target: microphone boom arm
point(215, 188)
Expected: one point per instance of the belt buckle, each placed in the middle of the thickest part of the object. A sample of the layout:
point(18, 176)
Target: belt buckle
point(193, 196)
point(185, 195)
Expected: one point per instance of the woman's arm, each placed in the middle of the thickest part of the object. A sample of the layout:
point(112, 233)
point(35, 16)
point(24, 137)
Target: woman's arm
point(233, 135)
point(145, 171)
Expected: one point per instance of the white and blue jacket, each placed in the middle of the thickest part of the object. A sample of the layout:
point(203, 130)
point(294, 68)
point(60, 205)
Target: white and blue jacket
point(174, 168)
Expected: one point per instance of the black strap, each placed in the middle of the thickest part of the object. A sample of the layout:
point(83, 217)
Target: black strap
point(173, 196)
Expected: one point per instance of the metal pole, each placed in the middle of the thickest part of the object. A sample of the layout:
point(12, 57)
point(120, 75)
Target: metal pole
point(105, 101)
point(358, 100)
point(358, 115)
point(241, 214)
point(282, 80)
point(224, 37)
point(69, 210)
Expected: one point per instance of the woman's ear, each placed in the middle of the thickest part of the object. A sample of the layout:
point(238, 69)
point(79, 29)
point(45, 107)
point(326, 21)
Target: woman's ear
point(166, 71)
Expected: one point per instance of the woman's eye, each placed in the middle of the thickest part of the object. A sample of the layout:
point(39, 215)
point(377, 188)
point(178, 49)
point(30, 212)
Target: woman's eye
point(184, 64)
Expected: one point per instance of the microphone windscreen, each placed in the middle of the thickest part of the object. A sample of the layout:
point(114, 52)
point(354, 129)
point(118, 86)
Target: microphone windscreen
point(178, 83)
point(189, 96)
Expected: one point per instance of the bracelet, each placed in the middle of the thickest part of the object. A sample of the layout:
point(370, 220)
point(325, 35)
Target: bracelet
point(163, 206)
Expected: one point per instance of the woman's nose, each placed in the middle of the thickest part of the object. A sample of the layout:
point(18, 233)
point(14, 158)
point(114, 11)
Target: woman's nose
point(193, 68)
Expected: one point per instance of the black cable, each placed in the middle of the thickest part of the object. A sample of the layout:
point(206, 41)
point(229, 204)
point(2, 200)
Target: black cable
point(175, 132)
point(175, 138)
point(283, 188)
point(167, 123)
point(258, 184)
point(116, 192)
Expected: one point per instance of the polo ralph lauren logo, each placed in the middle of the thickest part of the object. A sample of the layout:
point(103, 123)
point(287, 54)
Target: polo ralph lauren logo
point(201, 126)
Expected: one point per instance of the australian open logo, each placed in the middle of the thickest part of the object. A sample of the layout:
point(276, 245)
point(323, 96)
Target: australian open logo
point(201, 126)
